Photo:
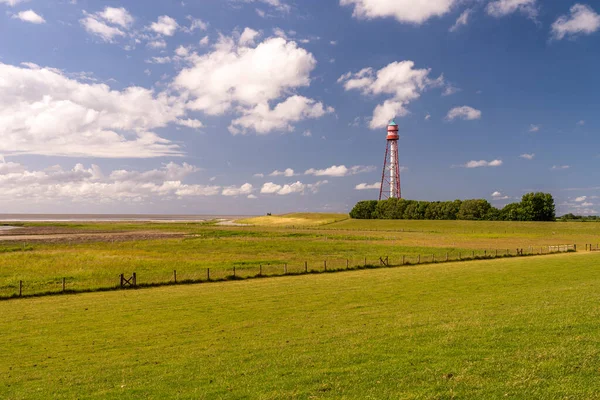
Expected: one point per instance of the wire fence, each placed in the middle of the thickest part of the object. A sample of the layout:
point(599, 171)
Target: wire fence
point(65, 285)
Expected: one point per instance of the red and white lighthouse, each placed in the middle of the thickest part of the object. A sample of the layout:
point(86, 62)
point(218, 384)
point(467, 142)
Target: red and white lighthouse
point(390, 178)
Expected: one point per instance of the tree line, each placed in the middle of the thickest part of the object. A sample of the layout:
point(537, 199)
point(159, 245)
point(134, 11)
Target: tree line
point(533, 207)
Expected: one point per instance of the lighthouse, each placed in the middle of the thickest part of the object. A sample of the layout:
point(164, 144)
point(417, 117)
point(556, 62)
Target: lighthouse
point(390, 178)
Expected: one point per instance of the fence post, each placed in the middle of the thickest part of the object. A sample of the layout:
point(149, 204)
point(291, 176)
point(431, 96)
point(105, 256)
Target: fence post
point(325, 264)
point(208, 274)
point(175, 275)
point(575, 247)
point(347, 264)
point(20, 288)
point(134, 279)
point(365, 261)
point(234, 271)
point(485, 253)
point(496, 256)
point(122, 280)
point(63, 284)
point(305, 266)
point(433, 258)
point(260, 270)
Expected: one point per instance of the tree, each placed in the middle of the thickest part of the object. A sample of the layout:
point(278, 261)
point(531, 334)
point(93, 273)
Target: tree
point(364, 209)
point(511, 212)
point(538, 207)
point(474, 209)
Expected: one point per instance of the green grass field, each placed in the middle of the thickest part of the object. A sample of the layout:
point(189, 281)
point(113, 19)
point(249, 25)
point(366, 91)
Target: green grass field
point(522, 328)
point(267, 241)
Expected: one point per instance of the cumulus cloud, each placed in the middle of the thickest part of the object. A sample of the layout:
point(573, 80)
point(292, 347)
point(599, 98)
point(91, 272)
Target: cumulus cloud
point(464, 112)
point(248, 36)
point(288, 172)
point(43, 111)
point(278, 5)
point(366, 186)
point(527, 156)
point(262, 119)
point(165, 25)
point(249, 80)
point(12, 3)
point(195, 24)
point(499, 196)
point(400, 80)
point(462, 20)
point(190, 123)
point(408, 11)
point(560, 167)
point(30, 16)
point(534, 128)
point(483, 163)
point(96, 27)
point(296, 187)
point(244, 190)
point(118, 16)
point(90, 185)
point(340, 170)
point(502, 8)
point(581, 20)
point(581, 199)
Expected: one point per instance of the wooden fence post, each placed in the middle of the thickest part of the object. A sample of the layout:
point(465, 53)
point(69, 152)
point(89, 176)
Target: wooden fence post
point(134, 279)
point(20, 288)
point(365, 261)
point(122, 278)
point(305, 266)
point(403, 260)
point(325, 264)
point(208, 274)
point(234, 271)
point(260, 270)
point(575, 247)
point(175, 275)
point(64, 284)
point(347, 264)
point(485, 253)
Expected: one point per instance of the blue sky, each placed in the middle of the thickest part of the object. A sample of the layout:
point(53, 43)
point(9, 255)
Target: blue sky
point(254, 106)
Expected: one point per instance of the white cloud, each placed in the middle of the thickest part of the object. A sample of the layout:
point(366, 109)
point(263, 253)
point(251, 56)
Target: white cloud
point(464, 112)
point(245, 189)
point(30, 16)
point(96, 27)
point(90, 185)
point(159, 60)
point(527, 156)
point(248, 36)
point(259, 175)
point(398, 79)
point(263, 120)
point(278, 5)
point(43, 111)
point(204, 41)
point(409, 11)
point(463, 20)
point(534, 128)
point(427, 117)
point(251, 196)
point(248, 80)
point(195, 24)
point(581, 20)
point(581, 199)
point(333, 42)
point(483, 163)
point(157, 44)
point(190, 123)
point(165, 25)
point(365, 186)
point(496, 194)
point(450, 90)
point(581, 123)
point(288, 172)
point(117, 16)
point(297, 187)
point(502, 8)
point(340, 170)
point(12, 3)
point(560, 167)
point(307, 133)
point(587, 204)
point(499, 196)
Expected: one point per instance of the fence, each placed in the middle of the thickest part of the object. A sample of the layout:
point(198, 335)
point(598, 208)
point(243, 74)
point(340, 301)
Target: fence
point(123, 281)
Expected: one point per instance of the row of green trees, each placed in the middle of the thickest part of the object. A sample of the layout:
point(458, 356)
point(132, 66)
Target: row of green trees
point(533, 207)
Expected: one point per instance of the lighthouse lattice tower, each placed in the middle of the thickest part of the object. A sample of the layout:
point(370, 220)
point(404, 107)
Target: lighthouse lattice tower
point(390, 178)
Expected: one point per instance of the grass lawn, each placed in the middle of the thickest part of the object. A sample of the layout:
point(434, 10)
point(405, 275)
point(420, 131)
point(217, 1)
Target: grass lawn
point(290, 239)
point(521, 328)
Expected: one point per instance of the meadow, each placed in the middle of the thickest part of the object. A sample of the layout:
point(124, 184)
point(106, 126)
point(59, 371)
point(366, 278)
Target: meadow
point(522, 328)
point(269, 243)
